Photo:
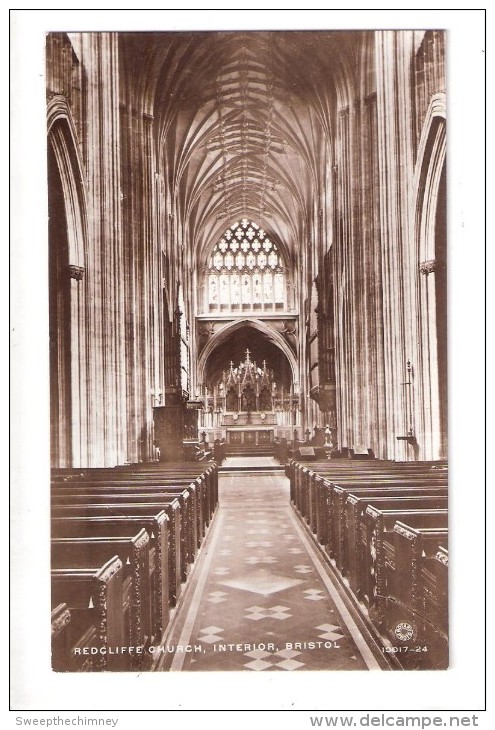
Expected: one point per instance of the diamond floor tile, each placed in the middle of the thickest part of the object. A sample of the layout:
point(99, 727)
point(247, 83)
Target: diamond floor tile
point(258, 665)
point(289, 664)
point(287, 653)
point(257, 654)
point(262, 582)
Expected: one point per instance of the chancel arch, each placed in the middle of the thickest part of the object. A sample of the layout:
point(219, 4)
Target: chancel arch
point(271, 332)
point(248, 385)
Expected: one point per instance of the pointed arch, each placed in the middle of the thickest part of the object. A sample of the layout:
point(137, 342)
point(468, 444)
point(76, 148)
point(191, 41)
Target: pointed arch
point(429, 206)
point(62, 139)
point(67, 264)
point(229, 329)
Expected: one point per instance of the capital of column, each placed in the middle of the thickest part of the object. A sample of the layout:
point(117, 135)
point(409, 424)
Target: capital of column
point(428, 267)
point(76, 272)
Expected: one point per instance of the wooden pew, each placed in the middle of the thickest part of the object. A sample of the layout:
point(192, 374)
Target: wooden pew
point(319, 494)
point(172, 472)
point(133, 551)
point(332, 514)
point(305, 480)
point(201, 507)
point(334, 471)
point(335, 468)
point(348, 524)
point(321, 501)
point(331, 500)
point(187, 496)
point(438, 568)
point(376, 553)
point(419, 587)
point(147, 509)
point(122, 526)
point(160, 498)
point(352, 509)
point(322, 504)
point(208, 473)
point(434, 580)
point(76, 553)
point(312, 483)
point(100, 501)
point(93, 596)
point(60, 637)
point(201, 495)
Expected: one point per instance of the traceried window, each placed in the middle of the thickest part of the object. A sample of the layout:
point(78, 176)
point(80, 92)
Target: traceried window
point(246, 271)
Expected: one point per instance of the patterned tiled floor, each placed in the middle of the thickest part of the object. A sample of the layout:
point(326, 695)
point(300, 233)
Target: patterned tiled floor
point(260, 597)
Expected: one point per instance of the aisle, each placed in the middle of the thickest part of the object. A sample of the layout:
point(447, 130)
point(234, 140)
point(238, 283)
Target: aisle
point(261, 598)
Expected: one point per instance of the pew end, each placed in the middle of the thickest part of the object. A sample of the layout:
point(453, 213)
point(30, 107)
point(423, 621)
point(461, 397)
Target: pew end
point(93, 596)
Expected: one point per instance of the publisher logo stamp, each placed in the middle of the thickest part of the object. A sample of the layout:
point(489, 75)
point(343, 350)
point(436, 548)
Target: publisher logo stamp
point(404, 631)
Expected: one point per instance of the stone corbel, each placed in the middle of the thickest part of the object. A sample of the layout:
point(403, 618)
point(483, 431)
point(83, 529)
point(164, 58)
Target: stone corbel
point(428, 267)
point(76, 272)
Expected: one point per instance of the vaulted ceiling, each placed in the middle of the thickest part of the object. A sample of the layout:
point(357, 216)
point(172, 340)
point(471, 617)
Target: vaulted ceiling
point(243, 124)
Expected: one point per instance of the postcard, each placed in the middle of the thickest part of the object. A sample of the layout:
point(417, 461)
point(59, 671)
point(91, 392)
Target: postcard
point(248, 327)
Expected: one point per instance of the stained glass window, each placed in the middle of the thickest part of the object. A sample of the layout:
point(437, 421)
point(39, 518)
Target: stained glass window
point(246, 271)
point(268, 286)
point(235, 290)
point(256, 288)
point(278, 287)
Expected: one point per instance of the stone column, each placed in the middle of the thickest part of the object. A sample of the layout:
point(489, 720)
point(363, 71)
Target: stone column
point(78, 359)
point(105, 352)
point(395, 134)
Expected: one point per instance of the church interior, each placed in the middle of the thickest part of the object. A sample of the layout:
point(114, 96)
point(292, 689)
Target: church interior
point(248, 350)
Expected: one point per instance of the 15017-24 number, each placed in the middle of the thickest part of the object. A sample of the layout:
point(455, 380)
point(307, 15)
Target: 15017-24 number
point(403, 649)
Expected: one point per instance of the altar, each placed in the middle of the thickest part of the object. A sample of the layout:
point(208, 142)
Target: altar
point(248, 407)
point(250, 437)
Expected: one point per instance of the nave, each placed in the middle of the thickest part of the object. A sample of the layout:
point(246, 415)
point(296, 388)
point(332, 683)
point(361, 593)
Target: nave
point(260, 597)
point(247, 257)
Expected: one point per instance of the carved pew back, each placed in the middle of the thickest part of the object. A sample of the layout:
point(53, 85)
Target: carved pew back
point(94, 596)
point(350, 532)
point(74, 553)
point(377, 551)
point(120, 526)
point(164, 500)
point(191, 509)
point(419, 585)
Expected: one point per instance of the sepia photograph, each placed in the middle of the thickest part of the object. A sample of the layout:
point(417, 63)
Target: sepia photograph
point(248, 331)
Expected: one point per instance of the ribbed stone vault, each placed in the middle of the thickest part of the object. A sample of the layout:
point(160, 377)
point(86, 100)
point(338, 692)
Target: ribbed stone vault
point(243, 124)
